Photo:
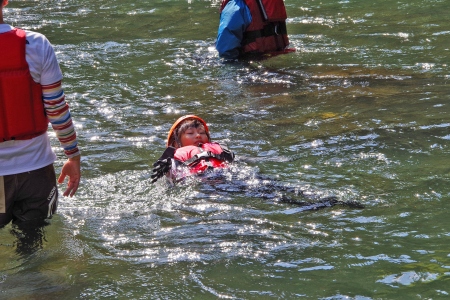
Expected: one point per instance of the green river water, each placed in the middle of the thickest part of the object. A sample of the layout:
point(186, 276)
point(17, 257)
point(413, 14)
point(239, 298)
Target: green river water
point(360, 111)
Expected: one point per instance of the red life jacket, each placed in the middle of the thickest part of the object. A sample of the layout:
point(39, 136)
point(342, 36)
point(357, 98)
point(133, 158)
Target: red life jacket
point(267, 31)
point(199, 159)
point(22, 114)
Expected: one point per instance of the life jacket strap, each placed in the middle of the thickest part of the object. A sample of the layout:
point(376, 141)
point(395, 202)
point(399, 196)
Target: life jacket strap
point(197, 157)
point(23, 137)
point(225, 155)
point(271, 29)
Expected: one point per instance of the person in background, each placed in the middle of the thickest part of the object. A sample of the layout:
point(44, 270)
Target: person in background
point(31, 96)
point(190, 151)
point(252, 28)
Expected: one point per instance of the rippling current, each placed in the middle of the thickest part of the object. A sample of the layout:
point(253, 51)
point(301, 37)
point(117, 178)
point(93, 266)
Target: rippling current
point(359, 112)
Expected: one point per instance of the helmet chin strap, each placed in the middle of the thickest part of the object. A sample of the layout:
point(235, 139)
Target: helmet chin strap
point(176, 139)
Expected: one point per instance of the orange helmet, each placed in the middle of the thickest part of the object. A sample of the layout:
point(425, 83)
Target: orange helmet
point(179, 121)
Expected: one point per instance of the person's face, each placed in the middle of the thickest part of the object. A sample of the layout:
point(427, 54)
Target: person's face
point(193, 137)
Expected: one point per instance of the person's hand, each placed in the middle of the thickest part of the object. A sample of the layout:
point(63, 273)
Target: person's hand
point(161, 167)
point(72, 169)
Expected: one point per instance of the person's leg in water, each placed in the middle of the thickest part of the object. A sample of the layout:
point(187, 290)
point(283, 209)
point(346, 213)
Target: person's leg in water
point(30, 198)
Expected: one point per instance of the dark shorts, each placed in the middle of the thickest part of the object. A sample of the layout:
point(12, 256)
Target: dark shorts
point(28, 196)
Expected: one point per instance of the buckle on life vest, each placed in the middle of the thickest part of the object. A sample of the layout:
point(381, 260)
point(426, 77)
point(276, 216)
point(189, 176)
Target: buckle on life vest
point(271, 29)
point(197, 157)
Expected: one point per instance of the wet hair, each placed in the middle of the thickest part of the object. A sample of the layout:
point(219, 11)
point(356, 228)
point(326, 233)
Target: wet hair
point(175, 139)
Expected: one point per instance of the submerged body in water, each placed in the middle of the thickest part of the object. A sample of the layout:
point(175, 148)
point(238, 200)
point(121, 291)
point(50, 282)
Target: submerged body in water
point(238, 178)
point(190, 153)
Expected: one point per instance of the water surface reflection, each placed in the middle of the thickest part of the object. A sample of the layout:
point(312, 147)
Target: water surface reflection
point(359, 111)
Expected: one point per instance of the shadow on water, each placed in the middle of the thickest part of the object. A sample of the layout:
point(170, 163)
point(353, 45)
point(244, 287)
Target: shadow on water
point(30, 237)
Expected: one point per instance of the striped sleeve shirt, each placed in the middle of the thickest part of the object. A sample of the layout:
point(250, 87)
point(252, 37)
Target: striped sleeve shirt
point(59, 116)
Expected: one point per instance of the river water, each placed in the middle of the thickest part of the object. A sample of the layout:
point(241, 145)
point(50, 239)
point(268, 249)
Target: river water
point(360, 111)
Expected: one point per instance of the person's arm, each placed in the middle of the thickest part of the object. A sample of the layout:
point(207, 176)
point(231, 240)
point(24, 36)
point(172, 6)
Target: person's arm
point(234, 19)
point(45, 70)
point(58, 113)
point(163, 165)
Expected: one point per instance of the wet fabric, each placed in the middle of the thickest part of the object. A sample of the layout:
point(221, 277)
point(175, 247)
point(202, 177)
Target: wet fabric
point(29, 196)
point(234, 19)
point(252, 28)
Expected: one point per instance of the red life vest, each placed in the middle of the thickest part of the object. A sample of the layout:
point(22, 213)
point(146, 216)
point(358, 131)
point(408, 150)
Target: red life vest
point(267, 31)
point(22, 114)
point(199, 159)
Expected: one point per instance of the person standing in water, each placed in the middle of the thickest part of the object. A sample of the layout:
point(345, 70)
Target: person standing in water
point(254, 28)
point(31, 96)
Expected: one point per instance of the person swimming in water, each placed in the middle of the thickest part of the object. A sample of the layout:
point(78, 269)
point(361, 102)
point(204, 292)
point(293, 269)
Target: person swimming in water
point(190, 151)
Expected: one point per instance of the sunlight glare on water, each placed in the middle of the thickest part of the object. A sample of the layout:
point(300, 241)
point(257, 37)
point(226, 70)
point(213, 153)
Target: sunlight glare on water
point(359, 112)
